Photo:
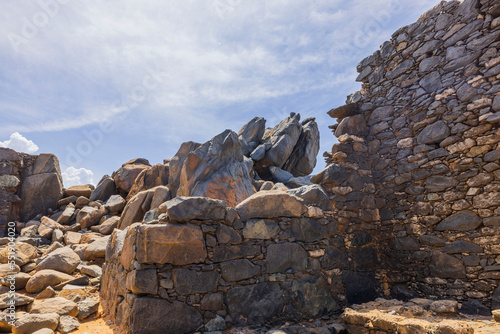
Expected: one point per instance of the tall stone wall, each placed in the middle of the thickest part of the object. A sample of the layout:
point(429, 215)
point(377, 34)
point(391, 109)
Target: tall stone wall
point(423, 138)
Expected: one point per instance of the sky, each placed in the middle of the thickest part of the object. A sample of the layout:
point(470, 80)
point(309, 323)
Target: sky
point(101, 82)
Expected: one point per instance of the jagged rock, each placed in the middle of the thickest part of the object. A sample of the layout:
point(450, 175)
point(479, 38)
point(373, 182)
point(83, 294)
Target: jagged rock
point(125, 176)
point(251, 134)
point(48, 292)
point(66, 215)
point(104, 190)
point(62, 259)
point(304, 155)
point(87, 307)
point(24, 253)
point(135, 209)
point(41, 187)
point(313, 195)
point(175, 244)
point(163, 317)
point(109, 225)
point(217, 169)
point(184, 209)
point(148, 178)
point(58, 305)
point(460, 221)
point(20, 300)
point(280, 175)
point(30, 323)
point(47, 226)
point(84, 190)
point(67, 324)
point(271, 204)
point(176, 164)
point(278, 144)
point(45, 278)
point(115, 204)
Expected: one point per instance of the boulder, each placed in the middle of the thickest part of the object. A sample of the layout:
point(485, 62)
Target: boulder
point(161, 194)
point(148, 178)
point(313, 195)
point(446, 266)
point(41, 187)
point(280, 175)
point(176, 164)
point(7, 269)
point(251, 134)
point(92, 270)
point(62, 259)
point(24, 253)
point(93, 218)
point(59, 305)
point(171, 243)
point(66, 215)
point(87, 307)
point(20, 300)
point(163, 317)
point(45, 278)
point(183, 209)
point(125, 176)
point(67, 324)
point(47, 226)
point(30, 323)
point(109, 225)
point(351, 125)
point(72, 238)
point(104, 190)
point(19, 280)
point(84, 190)
point(271, 204)
point(460, 221)
point(96, 249)
point(115, 204)
point(136, 208)
point(434, 133)
point(218, 170)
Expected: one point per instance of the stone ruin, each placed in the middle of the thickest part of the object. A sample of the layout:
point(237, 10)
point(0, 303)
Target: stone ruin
point(235, 233)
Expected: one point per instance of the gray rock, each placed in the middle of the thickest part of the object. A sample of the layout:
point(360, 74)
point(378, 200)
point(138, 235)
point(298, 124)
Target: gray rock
point(344, 111)
point(251, 134)
point(104, 190)
point(237, 270)
point(496, 103)
point(188, 281)
point(460, 221)
point(227, 235)
point(446, 266)
point(183, 209)
point(474, 307)
point(218, 170)
point(434, 133)
point(67, 324)
point(285, 257)
point(30, 323)
point(307, 230)
point(280, 175)
point(380, 114)
point(440, 183)
point(62, 259)
point(461, 246)
point(87, 307)
point(302, 160)
point(313, 296)
point(216, 324)
point(260, 229)
point(115, 204)
point(92, 270)
point(313, 195)
point(142, 281)
point(431, 82)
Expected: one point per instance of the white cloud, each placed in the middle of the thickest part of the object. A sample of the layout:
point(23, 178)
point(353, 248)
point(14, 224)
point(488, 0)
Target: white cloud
point(19, 143)
point(77, 176)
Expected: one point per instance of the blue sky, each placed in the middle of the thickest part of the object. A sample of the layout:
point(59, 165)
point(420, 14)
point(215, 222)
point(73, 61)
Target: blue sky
point(99, 83)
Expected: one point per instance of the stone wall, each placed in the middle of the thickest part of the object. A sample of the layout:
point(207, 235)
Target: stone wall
point(30, 185)
point(423, 137)
point(202, 266)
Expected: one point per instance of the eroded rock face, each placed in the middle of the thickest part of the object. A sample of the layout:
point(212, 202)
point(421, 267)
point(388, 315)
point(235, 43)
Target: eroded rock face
point(251, 134)
point(125, 176)
point(217, 169)
point(148, 178)
point(303, 158)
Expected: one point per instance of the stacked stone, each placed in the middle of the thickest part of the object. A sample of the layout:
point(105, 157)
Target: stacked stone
point(269, 260)
point(428, 118)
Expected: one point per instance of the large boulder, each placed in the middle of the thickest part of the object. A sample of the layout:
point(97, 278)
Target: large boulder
point(30, 323)
point(184, 209)
point(313, 195)
point(217, 169)
point(24, 253)
point(446, 266)
point(41, 186)
point(176, 164)
point(303, 158)
point(83, 190)
point(62, 259)
point(251, 134)
point(148, 178)
point(45, 278)
point(104, 190)
point(96, 249)
point(125, 176)
point(59, 305)
point(271, 204)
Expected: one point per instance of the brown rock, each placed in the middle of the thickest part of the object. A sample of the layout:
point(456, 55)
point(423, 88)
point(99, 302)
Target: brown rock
point(84, 190)
point(59, 305)
point(151, 177)
point(62, 259)
point(271, 204)
point(24, 254)
point(30, 323)
point(45, 278)
point(125, 176)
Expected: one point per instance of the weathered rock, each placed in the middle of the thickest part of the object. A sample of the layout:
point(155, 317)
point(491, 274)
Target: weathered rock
point(487, 200)
point(474, 307)
point(270, 205)
point(87, 307)
point(251, 134)
point(62, 259)
point(163, 317)
point(67, 324)
point(30, 323)
point(446, 266)
point(148, 178)
point(176, 164)
point(96, 249)
point(444, 306)
point(142, 281)
point(84, 190)
point(302, 160)
point(66, 215)
point(227, 235)
point(20, 300)
point(93, 218)
point(45, 278)
point(19, 280)
point(125, 176)
point(313, 195)
point(460, 221)
point(58, 305)
point(184, 209)
point(91, 270)
point(109, 225)
point(104, 190)
point(169, 243)
point(461, 246)
point(24, 253)
point(360, 287)
point(47, 226)
point(312, 296)
point(280, 175)
point(188, 281)
point(260, 229)
point(353, 125)
point(307, 230)
point(237, 270)
point(285, 257)
point(115, 204)
point(72, 238)
point(216, 324)
point(218, 170)
point(434, 133)
point(440, 183)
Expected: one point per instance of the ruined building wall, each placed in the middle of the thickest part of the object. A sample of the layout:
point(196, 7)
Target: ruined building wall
point(423, 137)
